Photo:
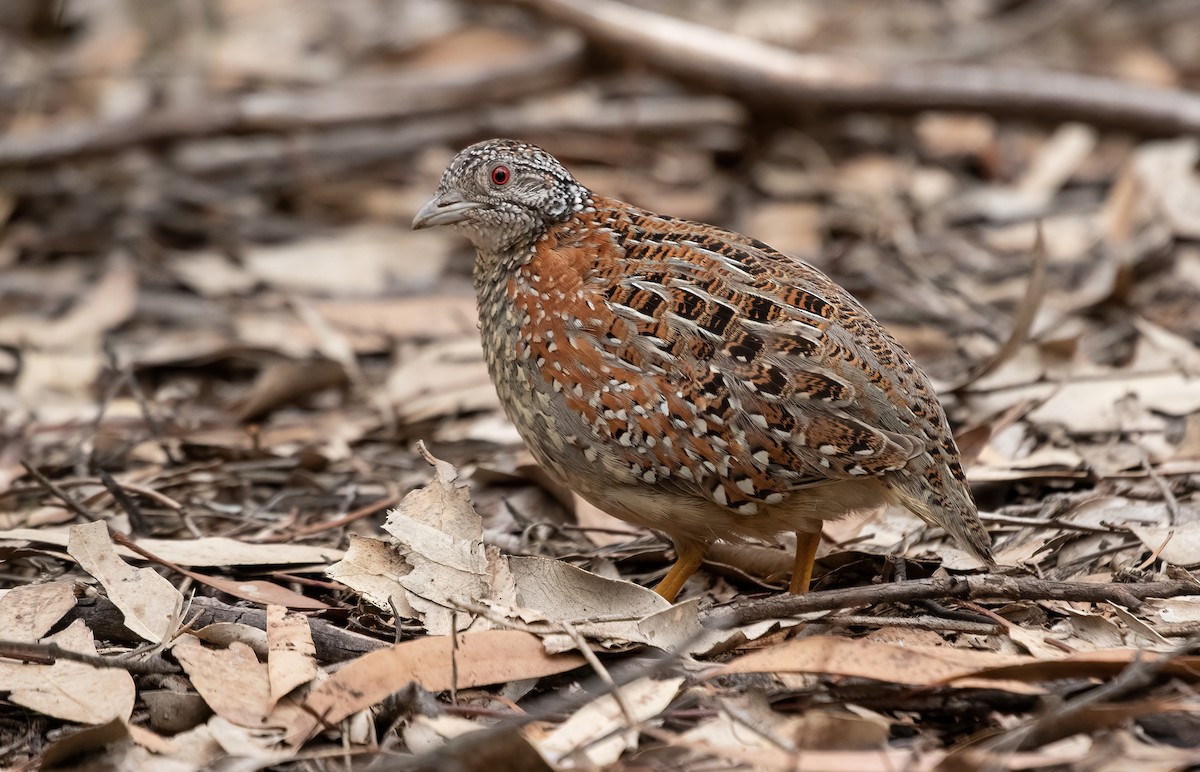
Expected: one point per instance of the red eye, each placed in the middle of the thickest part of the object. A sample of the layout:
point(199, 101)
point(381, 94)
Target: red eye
point(500, 175)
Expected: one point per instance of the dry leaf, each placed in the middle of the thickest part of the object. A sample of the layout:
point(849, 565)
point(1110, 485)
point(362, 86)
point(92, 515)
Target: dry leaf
point(440, 536)
point(373, 570)
point(1178, 544)
point(211, 274)
point(1104, 663)
point(208, 552)
point(868, 659)
point(28, 611)
point(1167, 172)
point(439, 561)
point(444, 378)
point(222, 634)
point(110, 302)
point(291, 658)
point(149, 602)
point(280, 383)
point(263, 744)
point(351, 261)
point(424, 318)
point(231, 680)
point(588, 728)
point(427, 733)
point(489, 657)
point(71, 691)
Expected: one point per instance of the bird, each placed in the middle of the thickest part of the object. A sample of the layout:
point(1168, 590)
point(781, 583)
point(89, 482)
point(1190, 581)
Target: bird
point(687, 378)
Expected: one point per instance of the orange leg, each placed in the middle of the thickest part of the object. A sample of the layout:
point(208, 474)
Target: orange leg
point(688, 557)
point(806, 553)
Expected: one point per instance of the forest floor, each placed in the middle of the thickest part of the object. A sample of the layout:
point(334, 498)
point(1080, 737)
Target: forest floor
point(259, 503)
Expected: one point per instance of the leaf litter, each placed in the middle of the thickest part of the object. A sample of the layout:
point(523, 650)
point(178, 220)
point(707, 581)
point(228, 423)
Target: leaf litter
point(233, 325)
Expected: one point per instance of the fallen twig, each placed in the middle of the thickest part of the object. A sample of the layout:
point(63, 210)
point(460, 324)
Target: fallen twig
point(982, 587)
point(1022, 320)
point(343, 102)
point(58, 492)
point(333, 643)
point(346, 519)
point(775, 76)
point(1048, 727)
point(49, 653)
point(922, 622)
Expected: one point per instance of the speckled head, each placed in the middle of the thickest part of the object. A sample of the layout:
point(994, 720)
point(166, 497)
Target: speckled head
point(502, 194)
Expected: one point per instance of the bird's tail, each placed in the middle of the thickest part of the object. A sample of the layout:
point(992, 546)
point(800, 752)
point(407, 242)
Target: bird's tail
point(933, 487)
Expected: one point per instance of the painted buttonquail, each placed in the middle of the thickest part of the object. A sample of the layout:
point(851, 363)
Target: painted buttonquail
point(688, 378)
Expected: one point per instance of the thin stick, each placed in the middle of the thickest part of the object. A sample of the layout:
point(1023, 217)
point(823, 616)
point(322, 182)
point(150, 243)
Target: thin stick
point(136, 521)
point(49, 653)
point(778, 77)
point(405, 95)
point(1137, 675)
point(346, 519)
point(923, 622)
point(982, 587)
point(1035, 291)
point(71, 503)
point(601, 672)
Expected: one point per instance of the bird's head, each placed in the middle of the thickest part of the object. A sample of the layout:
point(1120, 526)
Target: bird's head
point(502, 194)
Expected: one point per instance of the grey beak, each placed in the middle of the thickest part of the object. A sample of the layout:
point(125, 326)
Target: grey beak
point(445, 209)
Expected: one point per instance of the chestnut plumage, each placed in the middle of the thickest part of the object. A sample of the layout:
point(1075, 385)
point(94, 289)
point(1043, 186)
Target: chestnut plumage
point(688, 378)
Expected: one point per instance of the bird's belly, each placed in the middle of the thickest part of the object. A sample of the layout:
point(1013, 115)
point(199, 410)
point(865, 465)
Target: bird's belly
point(692, 518)
point(558, 437)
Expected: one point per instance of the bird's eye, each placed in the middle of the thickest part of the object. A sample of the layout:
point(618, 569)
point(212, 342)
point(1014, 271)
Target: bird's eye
point(500, 175)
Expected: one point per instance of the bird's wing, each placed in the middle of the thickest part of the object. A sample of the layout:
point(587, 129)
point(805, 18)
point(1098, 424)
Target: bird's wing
point(774, 377)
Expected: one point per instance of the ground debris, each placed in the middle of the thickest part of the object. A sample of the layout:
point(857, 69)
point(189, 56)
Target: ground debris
point(259, 504)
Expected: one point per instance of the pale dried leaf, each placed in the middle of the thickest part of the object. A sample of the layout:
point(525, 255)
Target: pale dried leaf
point(71, 691)
point(612, 612)
point(1178, 545)
point(208, 552)
point(231, 680)
point(868, 659)
point(365, 260)
point(645, 698)
point(373, 570)
point(1167, 171)
point(488, 657)
point(211, 274)
point(291, 658)
point(28, 611)
point(428, 733)
point(223, 634)
point(109, 303)
point(428, 317)
point(149, 602)
point(264, 744)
